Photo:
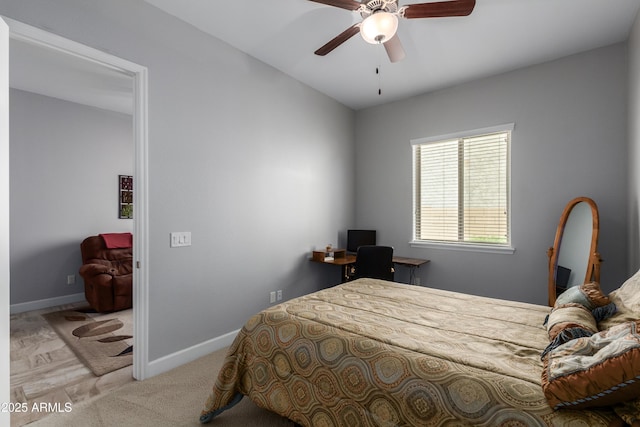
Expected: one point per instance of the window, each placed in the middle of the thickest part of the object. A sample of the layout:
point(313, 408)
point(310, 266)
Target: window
point(461, 189)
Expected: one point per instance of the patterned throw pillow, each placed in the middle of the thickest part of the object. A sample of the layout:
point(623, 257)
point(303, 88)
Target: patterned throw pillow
point(576, 314)
point(570, 316)
point(588, 295)
point(600, 370)
point(568, 322)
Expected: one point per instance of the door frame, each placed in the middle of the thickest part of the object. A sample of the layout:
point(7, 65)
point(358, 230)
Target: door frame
point(139, 74)
point(5, 394)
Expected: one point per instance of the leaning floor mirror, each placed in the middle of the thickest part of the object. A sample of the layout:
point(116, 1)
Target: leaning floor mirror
point(574, 257)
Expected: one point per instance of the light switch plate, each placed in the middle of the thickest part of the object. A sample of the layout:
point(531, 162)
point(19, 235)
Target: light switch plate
point(180, 239)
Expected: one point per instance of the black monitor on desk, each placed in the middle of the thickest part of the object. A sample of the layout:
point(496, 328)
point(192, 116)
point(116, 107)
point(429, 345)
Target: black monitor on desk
point(357, 238)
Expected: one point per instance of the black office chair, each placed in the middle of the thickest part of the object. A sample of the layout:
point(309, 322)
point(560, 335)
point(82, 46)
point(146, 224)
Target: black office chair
point(375, 262)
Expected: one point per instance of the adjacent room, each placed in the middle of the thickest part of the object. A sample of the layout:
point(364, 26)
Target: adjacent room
point(220, 149)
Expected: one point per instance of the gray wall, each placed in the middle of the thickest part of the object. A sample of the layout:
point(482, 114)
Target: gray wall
point(65, 160)
point(240, 154)
point(570, 140)
point(634, 147)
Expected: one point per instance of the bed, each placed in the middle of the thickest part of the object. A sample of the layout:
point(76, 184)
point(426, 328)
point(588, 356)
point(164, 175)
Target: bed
point(377, 353)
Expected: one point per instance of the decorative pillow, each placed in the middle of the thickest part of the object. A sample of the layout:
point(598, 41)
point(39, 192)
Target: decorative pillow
point(627, 301)
point(600, 370)
point(588, 294)
point(568, 322)
point(568, 316)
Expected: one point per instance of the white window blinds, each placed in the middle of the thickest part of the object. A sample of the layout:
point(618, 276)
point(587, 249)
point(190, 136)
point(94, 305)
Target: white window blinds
point(461, 185)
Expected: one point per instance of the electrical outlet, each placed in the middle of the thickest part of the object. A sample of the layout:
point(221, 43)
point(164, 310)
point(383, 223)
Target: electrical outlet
point(417, 280)
point(71, 279)
point(272, 296)
point(280, 295)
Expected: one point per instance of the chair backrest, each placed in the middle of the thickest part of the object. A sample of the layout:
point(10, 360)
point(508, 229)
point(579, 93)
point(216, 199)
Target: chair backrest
point(375, 262)
point(94, 247)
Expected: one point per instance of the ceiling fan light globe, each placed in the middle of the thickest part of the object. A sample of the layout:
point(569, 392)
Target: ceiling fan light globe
point(379, 27)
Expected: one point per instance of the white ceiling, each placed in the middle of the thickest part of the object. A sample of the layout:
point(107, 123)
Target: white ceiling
point(500, 35)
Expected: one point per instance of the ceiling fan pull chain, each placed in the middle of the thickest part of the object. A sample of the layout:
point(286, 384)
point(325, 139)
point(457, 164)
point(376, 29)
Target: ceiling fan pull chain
point(378, 73)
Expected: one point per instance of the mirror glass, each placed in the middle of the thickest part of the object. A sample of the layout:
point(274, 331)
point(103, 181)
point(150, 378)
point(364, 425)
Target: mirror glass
point(573, 259)
point(574, 251)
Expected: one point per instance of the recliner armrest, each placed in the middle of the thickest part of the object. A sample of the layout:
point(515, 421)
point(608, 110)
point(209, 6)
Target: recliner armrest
point(88, 270)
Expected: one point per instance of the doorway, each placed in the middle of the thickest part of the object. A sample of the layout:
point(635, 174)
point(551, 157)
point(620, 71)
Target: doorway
point(19, 32)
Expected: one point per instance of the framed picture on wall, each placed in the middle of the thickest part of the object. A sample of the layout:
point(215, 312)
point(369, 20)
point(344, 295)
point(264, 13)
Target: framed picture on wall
point(125, 196)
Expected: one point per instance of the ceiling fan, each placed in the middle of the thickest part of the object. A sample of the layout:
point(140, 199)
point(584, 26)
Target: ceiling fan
point(380, 21)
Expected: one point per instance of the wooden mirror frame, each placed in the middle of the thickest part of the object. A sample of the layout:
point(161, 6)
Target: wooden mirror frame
point(593, 263)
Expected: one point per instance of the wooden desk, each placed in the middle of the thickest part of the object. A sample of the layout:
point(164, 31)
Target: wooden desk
point(349, 259)
point(412, 263)
point(344, 262)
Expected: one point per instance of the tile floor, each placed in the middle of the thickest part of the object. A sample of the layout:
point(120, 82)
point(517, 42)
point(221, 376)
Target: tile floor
point(44, 370)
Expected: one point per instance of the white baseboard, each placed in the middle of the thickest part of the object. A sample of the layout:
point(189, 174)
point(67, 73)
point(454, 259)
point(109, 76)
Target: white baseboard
point(190, 354)
point(45, 303)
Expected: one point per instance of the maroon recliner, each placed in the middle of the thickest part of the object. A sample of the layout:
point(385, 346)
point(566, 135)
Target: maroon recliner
point(107, 270)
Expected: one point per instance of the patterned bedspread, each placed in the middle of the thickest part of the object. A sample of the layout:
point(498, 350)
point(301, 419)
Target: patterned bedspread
point(376, 353)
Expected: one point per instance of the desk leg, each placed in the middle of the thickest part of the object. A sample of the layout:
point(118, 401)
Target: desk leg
point(346, 276)
point(345, 273)
point(412, 275)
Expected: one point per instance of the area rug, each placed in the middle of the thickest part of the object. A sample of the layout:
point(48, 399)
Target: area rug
point(103, 342)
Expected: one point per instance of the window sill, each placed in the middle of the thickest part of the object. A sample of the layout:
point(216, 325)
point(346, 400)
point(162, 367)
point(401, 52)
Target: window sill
point(507, 250)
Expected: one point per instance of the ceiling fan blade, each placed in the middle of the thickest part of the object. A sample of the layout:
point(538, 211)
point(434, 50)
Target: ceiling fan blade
point(338, 40)
point(343, 4)
point(394, 49)
point(439, 9)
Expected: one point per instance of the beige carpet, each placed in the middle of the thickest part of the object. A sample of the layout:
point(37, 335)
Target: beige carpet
point(101, 341)
point(172, 399)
